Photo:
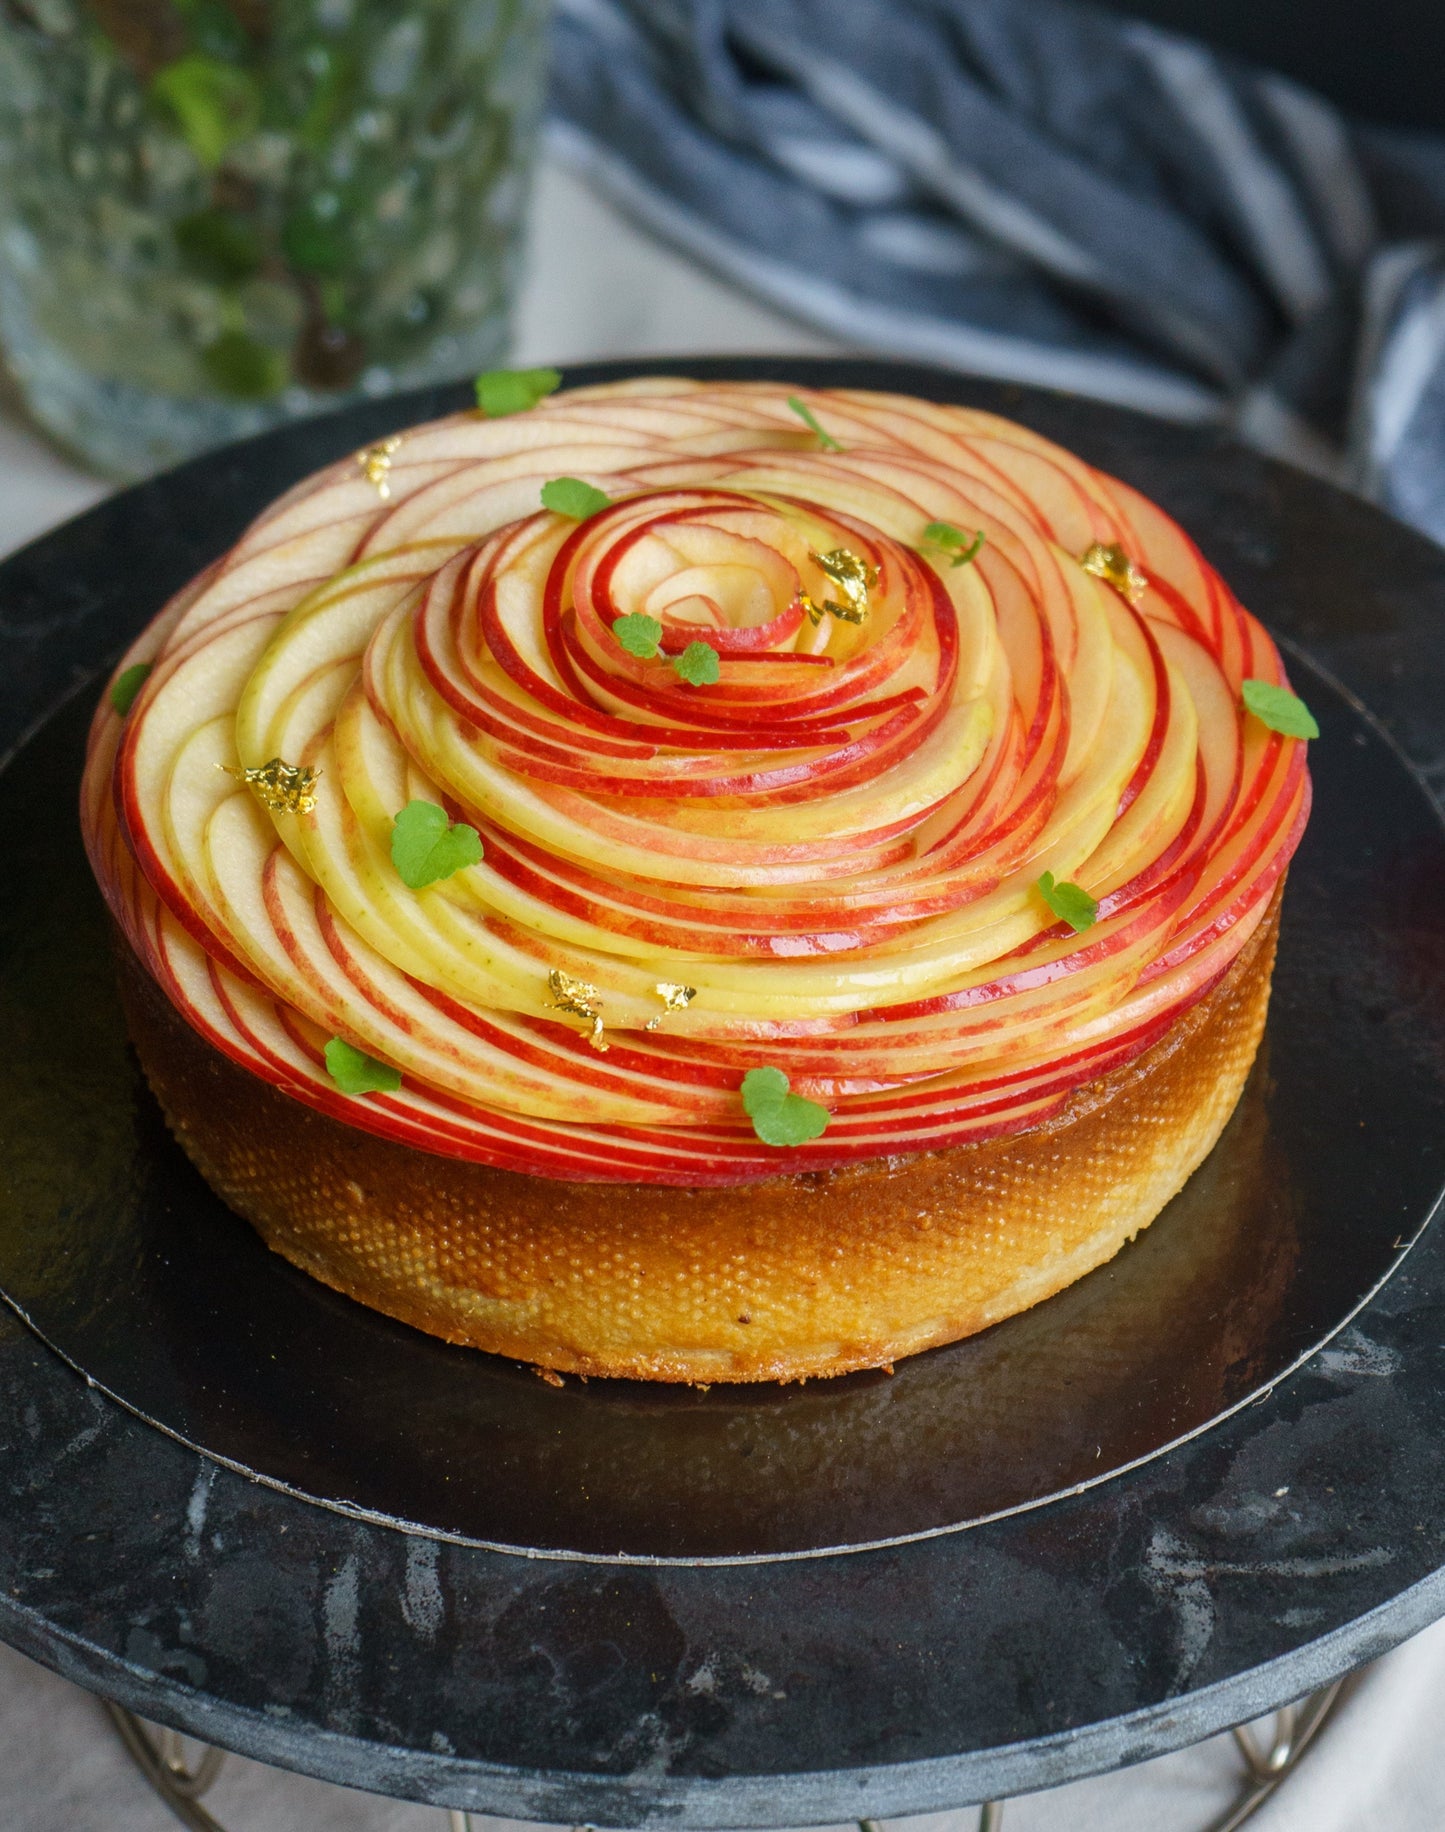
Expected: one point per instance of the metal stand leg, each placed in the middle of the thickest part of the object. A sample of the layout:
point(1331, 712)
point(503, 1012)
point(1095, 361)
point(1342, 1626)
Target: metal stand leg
point(163, 1763)
point(990, 1819)
point(1294, 1729)
point(458, 1820)
point(1266, 1770)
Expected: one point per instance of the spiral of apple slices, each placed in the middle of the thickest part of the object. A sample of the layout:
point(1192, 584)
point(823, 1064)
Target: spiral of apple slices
point(834, 847)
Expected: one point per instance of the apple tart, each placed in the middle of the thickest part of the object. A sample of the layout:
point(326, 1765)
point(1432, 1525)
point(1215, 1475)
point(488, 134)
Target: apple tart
point(698, 881)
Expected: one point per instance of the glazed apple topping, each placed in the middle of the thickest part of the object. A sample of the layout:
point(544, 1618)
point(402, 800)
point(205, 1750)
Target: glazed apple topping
point(653, 741)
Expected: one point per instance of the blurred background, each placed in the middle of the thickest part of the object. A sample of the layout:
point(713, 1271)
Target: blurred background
point(1385, 68)
point(219, 214)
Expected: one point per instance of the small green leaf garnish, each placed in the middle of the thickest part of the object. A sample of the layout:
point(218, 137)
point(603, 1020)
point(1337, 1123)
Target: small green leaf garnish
point(126, 685)
point(570, 496)
point(960, 548)
point(1279, 709)
point(639, 634)
point(354, 1072)
point(697, 665)
point(506, 391)
point(426, 846)
point(779, 1117)
point(1071, 903)
point(806, 415)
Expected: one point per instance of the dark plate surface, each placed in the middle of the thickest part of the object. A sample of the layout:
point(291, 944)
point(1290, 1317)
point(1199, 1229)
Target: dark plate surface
point(121, 1259)
point(1296, 1538)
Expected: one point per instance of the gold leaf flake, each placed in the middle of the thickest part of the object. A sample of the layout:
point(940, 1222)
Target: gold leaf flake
point(580, 997)
point(582, 1000)
point(674, 997)
point(853, 577)
point(284, 788)
point(375, 464)
point(1108, 561)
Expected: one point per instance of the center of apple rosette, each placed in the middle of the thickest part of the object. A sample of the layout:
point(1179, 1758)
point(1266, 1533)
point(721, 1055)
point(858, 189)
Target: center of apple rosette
point(665, 588)
point(665, 637)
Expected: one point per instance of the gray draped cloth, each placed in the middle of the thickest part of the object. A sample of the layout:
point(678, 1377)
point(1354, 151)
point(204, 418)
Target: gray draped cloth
point(1043, 192)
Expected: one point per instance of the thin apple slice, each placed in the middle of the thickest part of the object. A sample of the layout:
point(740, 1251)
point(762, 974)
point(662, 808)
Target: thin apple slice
point(835, 844)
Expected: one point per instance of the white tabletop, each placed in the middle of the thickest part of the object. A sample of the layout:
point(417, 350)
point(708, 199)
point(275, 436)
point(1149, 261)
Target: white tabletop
point(597, 287)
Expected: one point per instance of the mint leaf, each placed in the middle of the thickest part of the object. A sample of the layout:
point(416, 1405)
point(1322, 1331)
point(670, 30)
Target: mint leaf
point(570, 496)
point(954, 541)
point(764, 1088)
point(354, 1072)
point(697, 665)
point(780, 1117)
point(1279, 709)
point(639, 634)
point(426, 846)
point(212, 104)
point(126, 685)
point(506, 391)
point(1071, 903)
point(806, 415)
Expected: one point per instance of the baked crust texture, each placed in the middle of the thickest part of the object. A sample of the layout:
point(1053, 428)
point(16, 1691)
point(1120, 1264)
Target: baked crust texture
point(787, 1279)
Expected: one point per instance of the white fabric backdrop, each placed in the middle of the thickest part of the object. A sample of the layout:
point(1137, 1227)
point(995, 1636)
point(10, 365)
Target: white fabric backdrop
point(1381, 1761)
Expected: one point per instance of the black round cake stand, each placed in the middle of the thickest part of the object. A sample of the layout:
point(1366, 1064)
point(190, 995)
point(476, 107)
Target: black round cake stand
point(1256, 1562)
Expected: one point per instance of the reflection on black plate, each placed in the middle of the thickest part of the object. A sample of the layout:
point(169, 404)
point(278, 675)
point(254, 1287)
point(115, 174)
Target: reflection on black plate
point(122, 1259)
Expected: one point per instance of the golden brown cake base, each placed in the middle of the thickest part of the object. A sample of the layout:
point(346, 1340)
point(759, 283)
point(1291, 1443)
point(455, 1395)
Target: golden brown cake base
point(795, 1277)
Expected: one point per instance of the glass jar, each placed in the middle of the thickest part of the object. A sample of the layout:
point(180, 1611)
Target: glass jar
point(218, 214)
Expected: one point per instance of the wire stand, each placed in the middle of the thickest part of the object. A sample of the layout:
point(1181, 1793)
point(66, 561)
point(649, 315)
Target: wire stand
point(161, 1758)
point(1294, 1729)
